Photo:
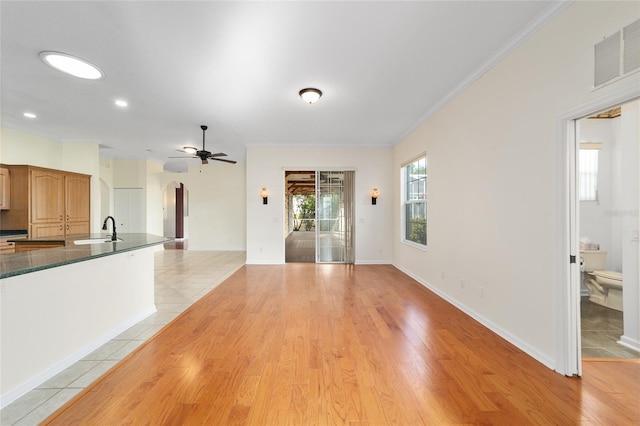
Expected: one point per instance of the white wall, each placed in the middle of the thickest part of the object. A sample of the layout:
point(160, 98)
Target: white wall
point(142, 174)
point(629, 221)
point(169, 209)
point(217, 204)
point(23, 148)
point(265, 223)
point(154, 199)
point(70, 310)
point(496, 180)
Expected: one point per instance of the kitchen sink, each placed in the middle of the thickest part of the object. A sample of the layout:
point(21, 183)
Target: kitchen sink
point(95, 241)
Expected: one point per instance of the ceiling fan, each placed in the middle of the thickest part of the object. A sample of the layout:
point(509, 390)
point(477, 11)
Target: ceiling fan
point(205, 155)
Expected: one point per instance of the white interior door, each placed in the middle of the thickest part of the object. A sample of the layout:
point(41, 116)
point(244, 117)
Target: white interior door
point(129, 210)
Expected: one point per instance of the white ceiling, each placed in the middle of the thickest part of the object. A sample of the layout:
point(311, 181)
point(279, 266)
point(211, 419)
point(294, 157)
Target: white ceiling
point(238, 66)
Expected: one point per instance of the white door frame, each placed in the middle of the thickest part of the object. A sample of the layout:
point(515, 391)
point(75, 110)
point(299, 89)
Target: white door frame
point(568, 356)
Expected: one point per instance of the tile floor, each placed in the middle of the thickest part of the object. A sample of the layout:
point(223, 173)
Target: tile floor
point(601, 329)
point(181, 278)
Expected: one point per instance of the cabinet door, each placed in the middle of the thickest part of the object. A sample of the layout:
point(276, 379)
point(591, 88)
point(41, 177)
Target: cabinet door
point(77, 228)
point(43, 230)
point(5, 189)
point(47, 202)
point(77, 206)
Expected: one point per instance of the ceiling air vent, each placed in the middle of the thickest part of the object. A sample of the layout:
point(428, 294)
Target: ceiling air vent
point(617, 55)
point(631, 40)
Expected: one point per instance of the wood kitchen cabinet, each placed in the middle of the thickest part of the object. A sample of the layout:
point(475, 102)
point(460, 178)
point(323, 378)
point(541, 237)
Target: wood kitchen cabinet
point(47, 196)
point(47, 202)
point(5, 189)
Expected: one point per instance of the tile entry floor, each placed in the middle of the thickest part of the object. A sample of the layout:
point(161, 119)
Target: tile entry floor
point(601, 329)
point(181, 278)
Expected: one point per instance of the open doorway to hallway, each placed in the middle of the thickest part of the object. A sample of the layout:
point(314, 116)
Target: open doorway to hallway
point(176, 214)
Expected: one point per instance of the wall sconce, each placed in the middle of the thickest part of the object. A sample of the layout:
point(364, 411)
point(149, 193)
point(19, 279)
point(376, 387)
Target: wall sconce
point(374, 196)
point(265, 195)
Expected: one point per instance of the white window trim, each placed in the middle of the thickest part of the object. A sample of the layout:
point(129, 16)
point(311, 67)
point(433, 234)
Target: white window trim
point(403, 214)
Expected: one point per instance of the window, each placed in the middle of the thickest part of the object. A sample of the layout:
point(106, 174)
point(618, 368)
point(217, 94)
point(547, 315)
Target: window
point(588, 171)
point(415, 201)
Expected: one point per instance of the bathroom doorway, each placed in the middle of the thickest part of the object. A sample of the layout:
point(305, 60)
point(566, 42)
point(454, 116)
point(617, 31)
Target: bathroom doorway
point(607, 164)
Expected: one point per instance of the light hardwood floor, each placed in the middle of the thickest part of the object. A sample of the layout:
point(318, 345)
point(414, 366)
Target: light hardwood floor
point(336, 344)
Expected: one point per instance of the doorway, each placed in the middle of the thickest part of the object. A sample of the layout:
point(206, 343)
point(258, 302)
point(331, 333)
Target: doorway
point(175, 207)
point(605, 223)
point(319, 216)
point(570, 332)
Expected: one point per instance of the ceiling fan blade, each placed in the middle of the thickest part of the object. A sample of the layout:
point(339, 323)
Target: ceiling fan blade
point(226, 161)
point(219, 154)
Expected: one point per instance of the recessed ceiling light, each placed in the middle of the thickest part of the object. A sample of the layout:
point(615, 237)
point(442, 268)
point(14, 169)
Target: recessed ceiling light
point(29, 115)
point(71, 65)
point(121, 103)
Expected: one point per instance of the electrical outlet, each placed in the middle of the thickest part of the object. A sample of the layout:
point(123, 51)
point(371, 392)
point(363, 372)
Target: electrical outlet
point(462, 283)
point(442, 275)
point(481, 292)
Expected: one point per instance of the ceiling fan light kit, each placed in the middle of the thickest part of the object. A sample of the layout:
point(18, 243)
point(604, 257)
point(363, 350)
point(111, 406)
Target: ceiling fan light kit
point(205, 155)
point(190, 149)
point(310, 94)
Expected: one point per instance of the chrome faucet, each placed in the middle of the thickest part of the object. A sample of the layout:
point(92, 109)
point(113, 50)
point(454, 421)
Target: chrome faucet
point(114, 236)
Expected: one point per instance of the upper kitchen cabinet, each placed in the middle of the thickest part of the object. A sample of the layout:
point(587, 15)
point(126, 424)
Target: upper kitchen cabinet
point(76, 197)
point(5, 189)
point(47, 196)
point(47, 202)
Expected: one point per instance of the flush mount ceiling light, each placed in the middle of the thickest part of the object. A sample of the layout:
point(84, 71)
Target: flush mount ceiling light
point(71, 65)
point(29, 115)
point(121, 103)
point(310, 95)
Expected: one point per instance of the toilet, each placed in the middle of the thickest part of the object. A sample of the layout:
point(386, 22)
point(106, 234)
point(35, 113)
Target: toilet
point(604, 287)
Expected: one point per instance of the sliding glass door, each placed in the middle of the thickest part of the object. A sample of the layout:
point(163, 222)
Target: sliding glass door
point(334, 217)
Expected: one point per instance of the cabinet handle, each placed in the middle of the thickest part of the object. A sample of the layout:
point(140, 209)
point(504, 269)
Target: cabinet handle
point(60, 217)
point(67, 227)
point(61, 227)
point(67, 217)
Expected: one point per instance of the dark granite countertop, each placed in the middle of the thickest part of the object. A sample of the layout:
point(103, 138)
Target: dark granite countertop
point(13, 233)
point(37, 260)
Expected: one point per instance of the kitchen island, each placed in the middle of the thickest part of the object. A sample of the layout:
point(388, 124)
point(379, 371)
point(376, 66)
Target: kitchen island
point(57, 305)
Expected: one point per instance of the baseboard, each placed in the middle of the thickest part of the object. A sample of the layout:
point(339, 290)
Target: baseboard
point(630, 343)
point(51, 371)
point(373, 262)
point(523, 346)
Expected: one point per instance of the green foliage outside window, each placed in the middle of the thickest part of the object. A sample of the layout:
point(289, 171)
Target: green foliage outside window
point(304, 212)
